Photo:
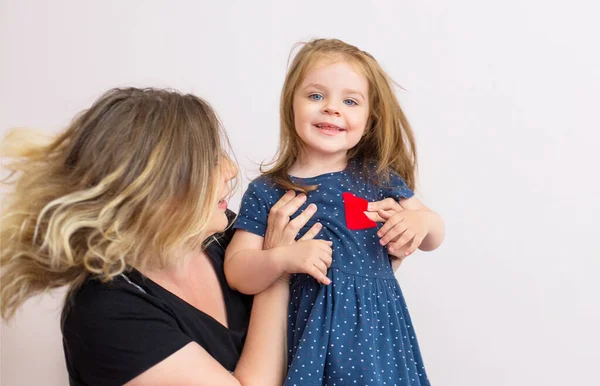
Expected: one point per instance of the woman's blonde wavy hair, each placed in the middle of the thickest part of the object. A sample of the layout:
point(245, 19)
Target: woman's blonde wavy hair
point(389, 141)
point(130, 183)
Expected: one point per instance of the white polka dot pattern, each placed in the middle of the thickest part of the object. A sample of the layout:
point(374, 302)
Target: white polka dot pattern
point(356, 331)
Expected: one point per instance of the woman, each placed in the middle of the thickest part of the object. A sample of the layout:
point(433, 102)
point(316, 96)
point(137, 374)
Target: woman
point(127, 208)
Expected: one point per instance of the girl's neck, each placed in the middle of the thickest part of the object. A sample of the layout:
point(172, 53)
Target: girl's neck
point(311, 165)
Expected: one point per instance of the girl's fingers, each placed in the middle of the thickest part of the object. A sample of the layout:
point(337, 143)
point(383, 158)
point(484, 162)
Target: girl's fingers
point(400, 245)
point(376, 217)
point(414, 245)
point(326, 246)
point(385, 214)
point(395, 232)
point(319, 276)
point(385, 204)
point(321, 266)
point(389, 224)
point(327, 259)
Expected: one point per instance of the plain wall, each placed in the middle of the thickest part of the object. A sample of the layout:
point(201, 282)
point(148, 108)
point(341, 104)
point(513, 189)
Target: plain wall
point(503, 98)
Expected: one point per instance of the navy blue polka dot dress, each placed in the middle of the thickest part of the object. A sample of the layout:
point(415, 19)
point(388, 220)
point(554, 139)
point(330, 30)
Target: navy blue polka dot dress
point(357, 330)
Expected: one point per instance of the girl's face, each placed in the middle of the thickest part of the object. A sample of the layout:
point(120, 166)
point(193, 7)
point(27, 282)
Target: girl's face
point(331, 108)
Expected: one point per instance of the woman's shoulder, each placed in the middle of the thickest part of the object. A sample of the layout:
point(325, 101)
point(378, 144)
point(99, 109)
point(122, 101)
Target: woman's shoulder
point(98, 300)
point(113, 331)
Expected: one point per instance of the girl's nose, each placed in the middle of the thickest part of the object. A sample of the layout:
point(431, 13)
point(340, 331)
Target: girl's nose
point(331, 109)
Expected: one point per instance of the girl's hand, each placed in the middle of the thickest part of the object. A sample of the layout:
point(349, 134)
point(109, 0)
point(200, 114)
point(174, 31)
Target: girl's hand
point(403, 231)
point(312, 257)
point(389, 207)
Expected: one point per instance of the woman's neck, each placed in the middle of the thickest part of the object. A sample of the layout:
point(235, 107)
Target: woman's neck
point(194, 280)
point(311, 165)
point(182, 271)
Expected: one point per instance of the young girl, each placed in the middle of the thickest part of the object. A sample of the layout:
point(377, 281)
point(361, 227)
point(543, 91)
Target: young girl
point(345, 142)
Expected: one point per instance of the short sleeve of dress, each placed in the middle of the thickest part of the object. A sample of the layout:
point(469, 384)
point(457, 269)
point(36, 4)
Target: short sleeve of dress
point(396, 188)
point(254, 209)
point(112, 334)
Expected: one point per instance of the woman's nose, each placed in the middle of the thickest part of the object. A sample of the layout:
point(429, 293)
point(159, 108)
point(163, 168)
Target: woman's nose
point(230, 170)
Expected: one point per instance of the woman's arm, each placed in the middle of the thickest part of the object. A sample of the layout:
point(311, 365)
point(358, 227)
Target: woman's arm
point(263, 360)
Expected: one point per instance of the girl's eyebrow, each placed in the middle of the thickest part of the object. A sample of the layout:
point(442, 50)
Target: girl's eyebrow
point(315, 85)
point(355, 92)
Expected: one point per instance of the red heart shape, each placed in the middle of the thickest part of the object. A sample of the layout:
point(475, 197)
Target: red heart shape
point(355, 208)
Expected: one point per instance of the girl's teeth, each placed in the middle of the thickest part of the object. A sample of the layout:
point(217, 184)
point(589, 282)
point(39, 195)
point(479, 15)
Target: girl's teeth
point(328, 127)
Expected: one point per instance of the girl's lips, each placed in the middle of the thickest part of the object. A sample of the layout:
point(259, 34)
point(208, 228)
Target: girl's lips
point(222, 204)
point(328, 129)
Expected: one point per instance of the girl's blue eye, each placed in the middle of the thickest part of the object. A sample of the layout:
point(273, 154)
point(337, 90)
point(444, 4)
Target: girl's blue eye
point(350, 102)
point(316, 97)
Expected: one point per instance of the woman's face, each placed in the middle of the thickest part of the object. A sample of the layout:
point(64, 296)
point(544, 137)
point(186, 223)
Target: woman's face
point(218, 221)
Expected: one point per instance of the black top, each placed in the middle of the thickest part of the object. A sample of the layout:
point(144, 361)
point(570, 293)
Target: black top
point(112, 332)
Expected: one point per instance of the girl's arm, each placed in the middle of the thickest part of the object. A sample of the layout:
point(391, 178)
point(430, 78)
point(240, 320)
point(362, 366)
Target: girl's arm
point(253, 263)
point(249, 268)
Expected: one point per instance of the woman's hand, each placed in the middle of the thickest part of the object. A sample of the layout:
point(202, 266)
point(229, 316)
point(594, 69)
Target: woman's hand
point(306, 255)
point(282, 231)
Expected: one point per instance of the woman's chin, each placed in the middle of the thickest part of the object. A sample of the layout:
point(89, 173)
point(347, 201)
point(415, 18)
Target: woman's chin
point(218, 222)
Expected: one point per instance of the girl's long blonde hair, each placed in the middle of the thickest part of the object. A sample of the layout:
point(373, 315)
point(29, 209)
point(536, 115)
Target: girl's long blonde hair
point(389, 142)
point(130, 182)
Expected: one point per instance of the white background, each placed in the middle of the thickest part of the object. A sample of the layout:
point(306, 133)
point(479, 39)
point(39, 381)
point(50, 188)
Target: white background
point(503, 98)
